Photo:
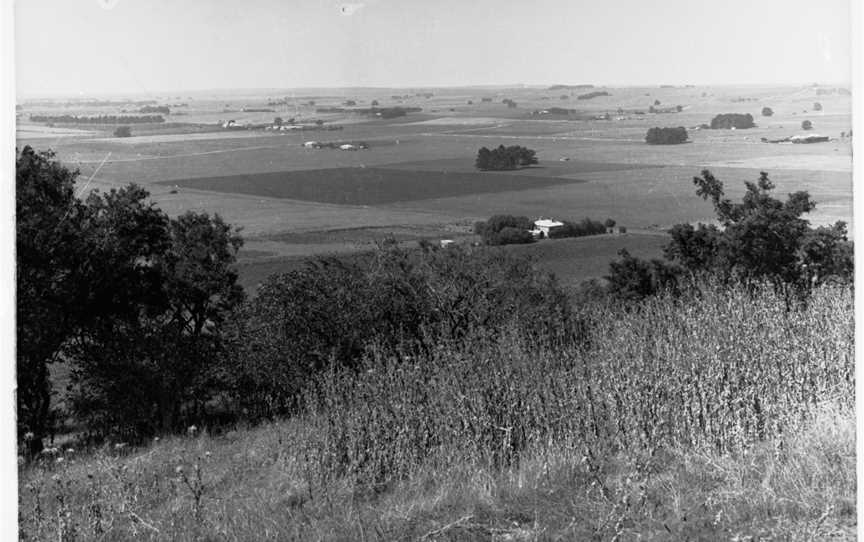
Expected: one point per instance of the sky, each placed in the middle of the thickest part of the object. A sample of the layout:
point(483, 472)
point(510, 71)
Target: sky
point(149, 46)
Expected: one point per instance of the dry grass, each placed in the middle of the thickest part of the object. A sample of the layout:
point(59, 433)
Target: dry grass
point(723, 419)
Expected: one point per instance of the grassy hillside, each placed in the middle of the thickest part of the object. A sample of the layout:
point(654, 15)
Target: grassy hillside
point(723, 416)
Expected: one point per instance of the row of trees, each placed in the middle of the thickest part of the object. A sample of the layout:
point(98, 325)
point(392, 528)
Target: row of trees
point(584, 227)
point(98, 119)
point(761, 238)
point(666, 136)
point(505, 230)
point(155, 109)
point(504, 158)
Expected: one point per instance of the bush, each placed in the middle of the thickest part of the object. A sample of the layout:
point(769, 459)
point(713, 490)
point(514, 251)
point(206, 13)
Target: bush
point(123, 131)
point(493, 230)
point(732, 120)
point(817, 106)
point(326, 317)
point(806, 125)
point(666, 136)
point(767, 111)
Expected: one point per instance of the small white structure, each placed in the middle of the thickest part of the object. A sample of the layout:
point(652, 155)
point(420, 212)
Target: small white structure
point(542, 227)
point(446, 242)
point(311, 144)
point(347, 147)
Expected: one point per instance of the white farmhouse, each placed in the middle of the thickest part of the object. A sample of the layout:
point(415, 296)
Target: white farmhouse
point(311, 144)
point(542, 227)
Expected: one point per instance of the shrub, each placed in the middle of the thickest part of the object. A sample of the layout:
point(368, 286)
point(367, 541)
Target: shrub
point(767, 111)
point(327, 316)
point(817, 106)
point(666, 136)
point(806, 125)
point(123, 131)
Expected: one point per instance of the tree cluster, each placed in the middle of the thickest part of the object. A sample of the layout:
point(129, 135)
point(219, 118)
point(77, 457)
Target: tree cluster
point(98, 119)
point(328, 315)
point(505, 230)
point(759, 239)
point(504, 158)
point(579, 229)
point(767, 112)
point(666, 136)
point(132, 301)
point(732, 120)
point(123, 131)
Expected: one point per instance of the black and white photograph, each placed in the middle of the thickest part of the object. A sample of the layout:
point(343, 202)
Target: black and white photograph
point(430, 270)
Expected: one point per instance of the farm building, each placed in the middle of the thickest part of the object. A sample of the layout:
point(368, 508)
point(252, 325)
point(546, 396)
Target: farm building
point(347, 147)
point(543, 225)
point(809, 138)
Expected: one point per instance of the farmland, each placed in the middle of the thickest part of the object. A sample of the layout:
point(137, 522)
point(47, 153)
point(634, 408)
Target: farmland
point(417, 181)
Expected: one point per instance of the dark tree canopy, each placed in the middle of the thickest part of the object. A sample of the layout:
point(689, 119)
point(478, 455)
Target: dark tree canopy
point(123, 131)
point(666, 136)
point(762, 238)
point(806, 125)
point(128, 298)
point(504, 158)
point(767, 111)
point(732, 120)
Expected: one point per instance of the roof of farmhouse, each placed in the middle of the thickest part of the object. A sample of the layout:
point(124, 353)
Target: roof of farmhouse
point(547, 223)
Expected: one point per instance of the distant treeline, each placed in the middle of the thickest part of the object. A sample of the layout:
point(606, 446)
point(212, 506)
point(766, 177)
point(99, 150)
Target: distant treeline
point(155, 109)
point(590, 95)
point(98, 119)
point(570, 87)
point(258, 110)
point(384, 112)
point(93, 103)
point(666, 136)
point(732, 120)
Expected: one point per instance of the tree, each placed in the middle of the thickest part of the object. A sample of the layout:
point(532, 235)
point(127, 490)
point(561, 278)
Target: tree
point(609, 223)
point(760, 238)
point(679, 108)
point(123, 131)
point(806, 125)
point(767, 112)
point(151, 371)
point(277, 121)
point(817, 106)
point(77, 262)
point(374, 103)
point(656, 102)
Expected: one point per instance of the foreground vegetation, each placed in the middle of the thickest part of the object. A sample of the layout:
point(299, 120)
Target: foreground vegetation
point(674, 401)
point(727, 417)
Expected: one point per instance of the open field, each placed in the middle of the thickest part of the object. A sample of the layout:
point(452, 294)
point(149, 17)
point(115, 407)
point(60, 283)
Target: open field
point(417, 179)
point(367, 186)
